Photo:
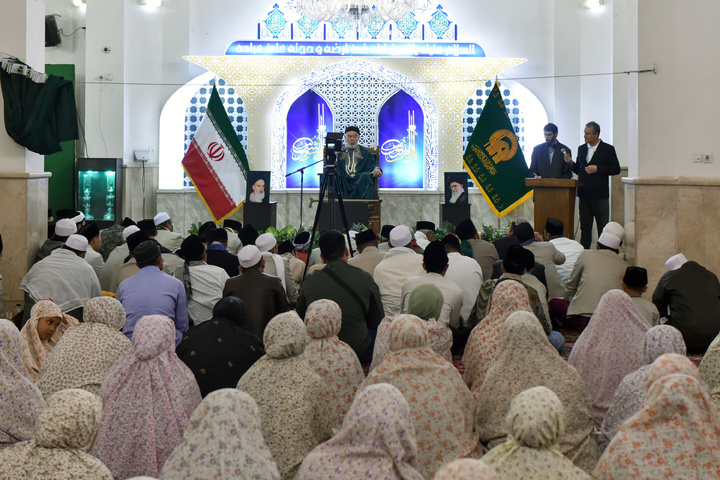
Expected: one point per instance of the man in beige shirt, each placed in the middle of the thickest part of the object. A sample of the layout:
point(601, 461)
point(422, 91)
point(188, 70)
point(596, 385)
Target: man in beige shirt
point(635, 284)
point(484, 253)
point(545, 254)
point(370, 256)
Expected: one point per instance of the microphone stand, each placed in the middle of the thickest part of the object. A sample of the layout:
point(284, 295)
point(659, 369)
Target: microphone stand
point(302, 181)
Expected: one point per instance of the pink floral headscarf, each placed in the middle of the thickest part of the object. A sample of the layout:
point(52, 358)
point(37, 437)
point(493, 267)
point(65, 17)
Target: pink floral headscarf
point(377, 440)
point(481, 348)
point(609, 348)
point(149, 395)
point(65, 429)
point(466, 469)
point(20, 399)
point(34, 350)
point(88, 351)
point(334, 360)
point(442, 405)
point(223, 439)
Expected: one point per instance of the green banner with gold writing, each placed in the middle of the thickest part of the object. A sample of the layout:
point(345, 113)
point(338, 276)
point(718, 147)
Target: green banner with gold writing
point(494, 160)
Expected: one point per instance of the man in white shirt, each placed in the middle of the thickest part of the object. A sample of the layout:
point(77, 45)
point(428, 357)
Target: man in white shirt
point(570, 248)
point(63, 276)
point(435, 263)
point(203, 283)
point(277, 265)
point(464, 272)
point(424, 233)
point(400, 263)
point(108, 276)
point(166, 235)
point(91, 231)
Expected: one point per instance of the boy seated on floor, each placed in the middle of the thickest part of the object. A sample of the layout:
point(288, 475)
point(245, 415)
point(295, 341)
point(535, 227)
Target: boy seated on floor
point(635, 284)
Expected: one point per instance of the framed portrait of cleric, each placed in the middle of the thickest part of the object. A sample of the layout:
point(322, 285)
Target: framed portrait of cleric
point(456, 185)
point(258, 187)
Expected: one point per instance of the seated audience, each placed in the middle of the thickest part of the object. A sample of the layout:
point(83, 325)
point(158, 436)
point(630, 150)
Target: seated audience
point(596, 272)
point(481, 348)
point(20, 399)
point(331, 358)
point(464, 272)
point(297, 267)
point(554, 233)
point(610, 347)
point(262, 294)
point(442, 406)
point(41, 334)
point(526, 359)
point(116, 258)
point(546, 254)
point(536, 425)
point(435, 264)
point(203, 283)
point(635, 284)
point(64, 276)
point(400, 263)
point(424, 233)
point(277, 265)
point(65, 430)
point(351, 288)
point(166, 235)
point(688, 295)
point(222, 440)
point(217, 252)
point(630, 394)
point(222, 349)
point(148, 397)
point(675, 435)
point(87, 351)
point(296, 412)
point(369, 256)
point(64, 227)
point(233, 228)
point(710, 370)
point(377, 440)
point(484, 253)
point(426, 302)
point(152, 292)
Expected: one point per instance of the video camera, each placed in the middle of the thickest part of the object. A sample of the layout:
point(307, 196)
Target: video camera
point(333, 144)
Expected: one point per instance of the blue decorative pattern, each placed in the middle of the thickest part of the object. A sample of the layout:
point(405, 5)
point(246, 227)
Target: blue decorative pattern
point(407, 25)
point(475, 106)
point(375, 24)
point(307, 26)
point(342, 30)
point(328, 75)
point(275, 21)
point(439, 22)
point(196, 111)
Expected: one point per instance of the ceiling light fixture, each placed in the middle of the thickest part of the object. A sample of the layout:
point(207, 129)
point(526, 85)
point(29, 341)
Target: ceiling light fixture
point(355, 12)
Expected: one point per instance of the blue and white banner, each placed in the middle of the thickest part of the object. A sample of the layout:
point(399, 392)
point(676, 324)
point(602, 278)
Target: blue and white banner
point(401, 127)
point(355, 49)
point(308, 120)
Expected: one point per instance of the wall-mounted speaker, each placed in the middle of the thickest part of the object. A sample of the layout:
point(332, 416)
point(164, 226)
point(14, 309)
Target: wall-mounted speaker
point(52, 35)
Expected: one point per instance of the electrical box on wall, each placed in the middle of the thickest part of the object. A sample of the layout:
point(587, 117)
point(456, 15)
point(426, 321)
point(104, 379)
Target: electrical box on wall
point(142, 156)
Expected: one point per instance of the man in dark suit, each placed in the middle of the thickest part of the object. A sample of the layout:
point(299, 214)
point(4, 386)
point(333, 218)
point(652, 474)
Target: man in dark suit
point(596, 161)
point(547, 158)
point(217, 252)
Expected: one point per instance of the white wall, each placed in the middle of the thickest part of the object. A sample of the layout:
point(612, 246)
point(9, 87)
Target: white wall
point(678, 108)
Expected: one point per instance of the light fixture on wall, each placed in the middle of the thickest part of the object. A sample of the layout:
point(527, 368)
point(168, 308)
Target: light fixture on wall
point(150, 3)
point(355, 12)
point(77, 3)
point(593, 3)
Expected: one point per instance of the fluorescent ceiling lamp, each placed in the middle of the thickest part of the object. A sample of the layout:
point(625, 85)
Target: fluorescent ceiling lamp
point(593, 3)
point(150, 3)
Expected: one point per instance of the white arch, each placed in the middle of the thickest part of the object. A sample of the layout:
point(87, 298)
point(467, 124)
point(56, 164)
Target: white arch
point(302, 85)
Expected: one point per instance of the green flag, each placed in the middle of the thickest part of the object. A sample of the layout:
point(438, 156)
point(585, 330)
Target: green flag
point(494, 159)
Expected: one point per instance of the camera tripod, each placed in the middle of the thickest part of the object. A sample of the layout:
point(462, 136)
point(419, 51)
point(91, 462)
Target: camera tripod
point(331, 185)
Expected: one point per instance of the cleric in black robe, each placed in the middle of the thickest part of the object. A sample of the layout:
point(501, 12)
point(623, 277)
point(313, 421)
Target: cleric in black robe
point(220, 350)
point(357, 168)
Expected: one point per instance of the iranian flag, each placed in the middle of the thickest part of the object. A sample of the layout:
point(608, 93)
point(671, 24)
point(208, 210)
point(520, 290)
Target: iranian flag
point(216, 162)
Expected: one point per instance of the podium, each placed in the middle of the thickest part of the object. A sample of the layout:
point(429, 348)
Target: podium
point(454, 213)
point(554, 197)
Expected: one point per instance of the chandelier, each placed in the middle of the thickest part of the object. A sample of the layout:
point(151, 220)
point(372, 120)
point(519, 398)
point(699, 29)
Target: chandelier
point(355, 12)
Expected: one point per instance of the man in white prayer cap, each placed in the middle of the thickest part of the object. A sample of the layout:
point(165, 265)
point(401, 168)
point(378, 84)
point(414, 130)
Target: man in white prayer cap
point(63, 229)
point(108, 276)
point(262, 294)
point(688, 295)
point(595, 273)
point(64, 276)
point(277, 265)
point(166, 235)
point(400, 263)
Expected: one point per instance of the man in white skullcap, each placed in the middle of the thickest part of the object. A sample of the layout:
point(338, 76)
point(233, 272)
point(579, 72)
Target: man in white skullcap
point(166, 235)
point(262, 294)
point(688, 295)
point(63, 229)
point(277, 265)
point(64, 276)
point(108, 276)
point(595, 273)
point(400, 263)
